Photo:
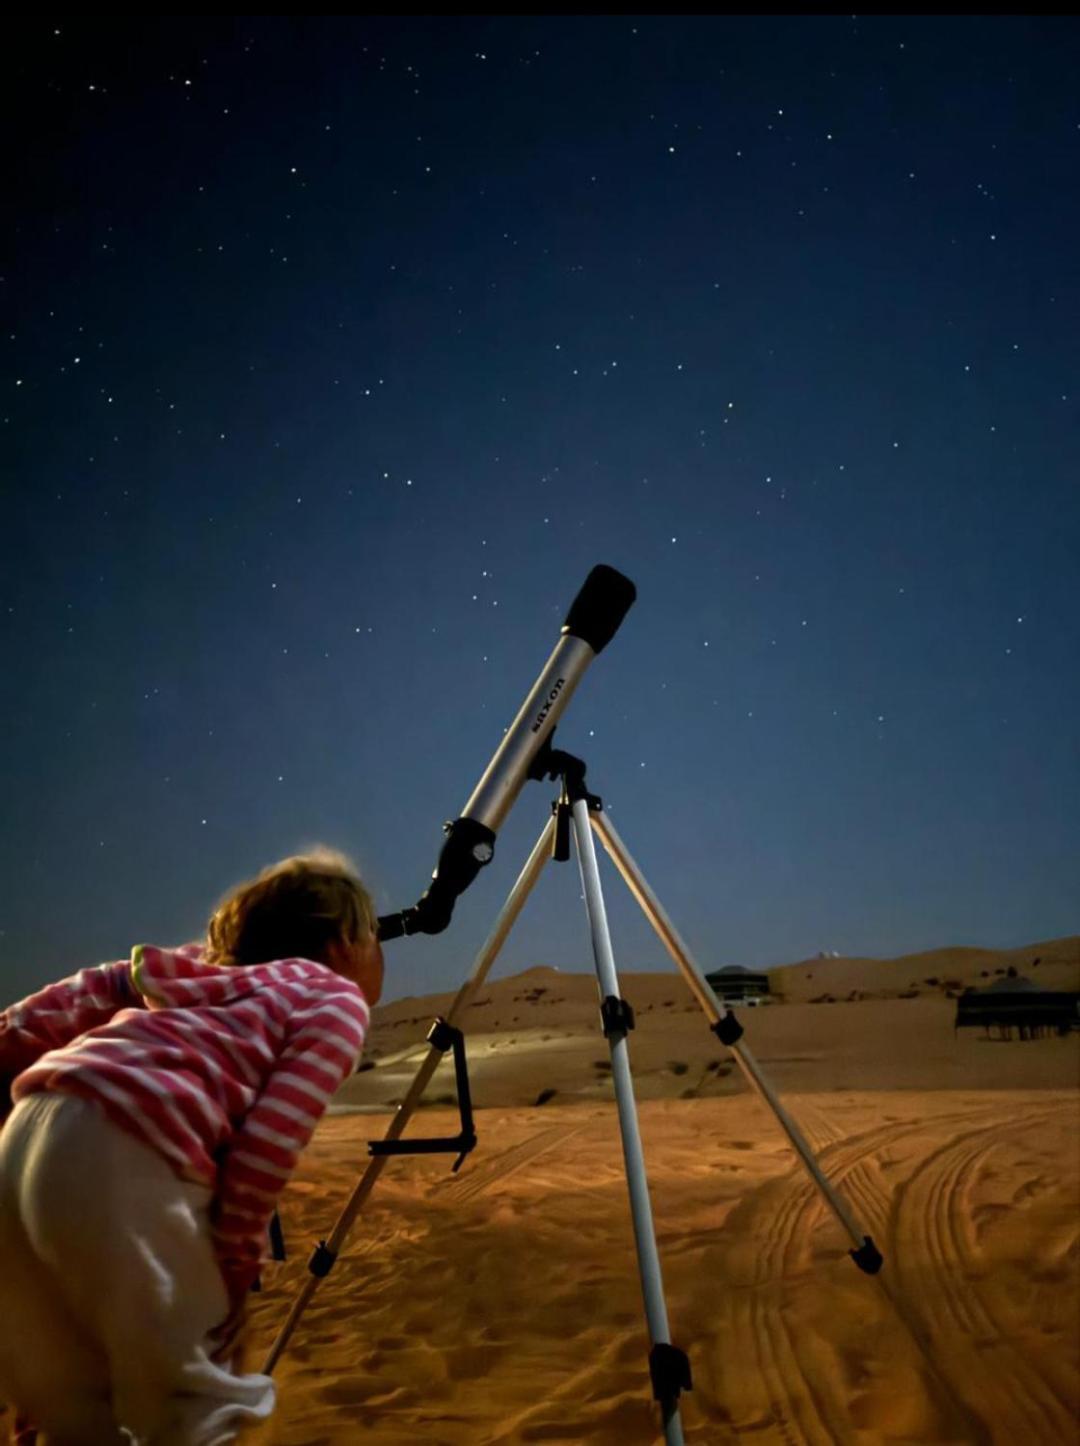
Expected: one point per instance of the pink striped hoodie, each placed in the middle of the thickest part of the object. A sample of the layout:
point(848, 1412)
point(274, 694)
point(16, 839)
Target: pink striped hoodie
point(224, 1070)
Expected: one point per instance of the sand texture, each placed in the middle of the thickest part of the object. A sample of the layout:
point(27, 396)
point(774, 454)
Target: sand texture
point(502, 1304)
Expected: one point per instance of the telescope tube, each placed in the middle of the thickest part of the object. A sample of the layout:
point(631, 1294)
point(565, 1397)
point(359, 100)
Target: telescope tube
point(593, 620)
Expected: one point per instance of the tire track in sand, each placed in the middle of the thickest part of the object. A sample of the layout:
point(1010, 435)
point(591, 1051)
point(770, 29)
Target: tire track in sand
point(850, 1163)
point(762, 1229)
point(504, 1163)
point(1005, 1387)
point(849, 1160)
point(788, 1253)
point(782, 1252)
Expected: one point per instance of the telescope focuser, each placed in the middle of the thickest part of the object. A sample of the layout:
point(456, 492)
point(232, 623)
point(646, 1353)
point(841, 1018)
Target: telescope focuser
point(469, 846)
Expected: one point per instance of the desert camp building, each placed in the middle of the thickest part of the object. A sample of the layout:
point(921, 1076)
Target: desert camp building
point(1017, 1003)
point(736, 985)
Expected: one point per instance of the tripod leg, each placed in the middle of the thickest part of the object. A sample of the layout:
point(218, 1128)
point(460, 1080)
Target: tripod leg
point(668, 1366)
point(865, 1253)
point(328, 1250)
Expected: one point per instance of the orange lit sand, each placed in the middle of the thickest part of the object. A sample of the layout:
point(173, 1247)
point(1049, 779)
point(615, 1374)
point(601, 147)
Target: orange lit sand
point(502, 1305)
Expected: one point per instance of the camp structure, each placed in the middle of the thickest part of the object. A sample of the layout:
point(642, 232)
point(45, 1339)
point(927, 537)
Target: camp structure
point(1015, 1003)
point(735, 985)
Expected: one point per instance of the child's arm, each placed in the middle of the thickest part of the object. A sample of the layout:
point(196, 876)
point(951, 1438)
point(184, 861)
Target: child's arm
point(59, 1013)
point(325, 1045)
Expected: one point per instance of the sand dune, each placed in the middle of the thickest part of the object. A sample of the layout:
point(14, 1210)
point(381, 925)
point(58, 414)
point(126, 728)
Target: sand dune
point(1053, 964)
point(539, 1031)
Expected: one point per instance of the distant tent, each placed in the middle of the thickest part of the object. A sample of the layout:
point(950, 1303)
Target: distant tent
point(1017, 1003)
point(735, 985)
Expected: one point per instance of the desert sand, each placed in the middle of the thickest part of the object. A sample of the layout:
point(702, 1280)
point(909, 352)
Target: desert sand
point(502, 1304)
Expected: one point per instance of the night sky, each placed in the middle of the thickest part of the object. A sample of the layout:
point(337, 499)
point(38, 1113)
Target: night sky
point(337, 351)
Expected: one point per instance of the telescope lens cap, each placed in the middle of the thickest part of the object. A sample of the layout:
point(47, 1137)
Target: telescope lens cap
point(604, 600)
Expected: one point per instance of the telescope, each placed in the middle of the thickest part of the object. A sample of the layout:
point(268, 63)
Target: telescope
point(526, 752)
point(591, 623)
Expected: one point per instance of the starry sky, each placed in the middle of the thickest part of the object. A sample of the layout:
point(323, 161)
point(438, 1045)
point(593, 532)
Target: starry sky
point(337, 351)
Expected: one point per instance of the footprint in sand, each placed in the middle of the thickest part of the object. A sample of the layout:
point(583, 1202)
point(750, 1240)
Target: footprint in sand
point(367, 1391)
point(469, 1363)
point(759, 1423)
point(1029, 1189)
point(628, 1419)
point(629, 1350)
point(351, 1390)
point(984, 1216)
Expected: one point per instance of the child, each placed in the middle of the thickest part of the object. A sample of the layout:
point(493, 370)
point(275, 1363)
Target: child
point(160, 1106)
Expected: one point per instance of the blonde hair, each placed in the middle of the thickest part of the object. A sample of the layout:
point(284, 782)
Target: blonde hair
point(295, 909)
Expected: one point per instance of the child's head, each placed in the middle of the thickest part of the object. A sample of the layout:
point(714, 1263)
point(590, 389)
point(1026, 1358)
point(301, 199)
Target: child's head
point(310, 906)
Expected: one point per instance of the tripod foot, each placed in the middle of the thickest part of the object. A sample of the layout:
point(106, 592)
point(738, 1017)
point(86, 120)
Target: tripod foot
point(868, 1257)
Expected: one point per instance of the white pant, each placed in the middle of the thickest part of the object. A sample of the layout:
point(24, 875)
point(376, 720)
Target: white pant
point(108, 1288)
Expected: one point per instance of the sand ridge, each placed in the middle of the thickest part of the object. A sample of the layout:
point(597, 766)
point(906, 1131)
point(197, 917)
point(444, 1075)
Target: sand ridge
point(538, 1031)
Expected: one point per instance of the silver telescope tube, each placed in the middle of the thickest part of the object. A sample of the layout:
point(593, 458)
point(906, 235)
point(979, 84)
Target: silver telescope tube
point(593, 620)
point(495, 794)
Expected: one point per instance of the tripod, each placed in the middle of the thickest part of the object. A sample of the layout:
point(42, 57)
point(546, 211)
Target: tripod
point(578, 809)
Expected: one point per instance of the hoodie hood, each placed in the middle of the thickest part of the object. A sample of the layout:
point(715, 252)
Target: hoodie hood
point(182, 978)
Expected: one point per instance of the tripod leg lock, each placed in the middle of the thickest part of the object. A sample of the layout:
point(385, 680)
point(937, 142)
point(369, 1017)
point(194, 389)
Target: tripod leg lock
point(868, 1257)
point(670, 1371)
point(616, 1016)
point(322, 1260)
point(728, 1030)
point(441, 1035)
